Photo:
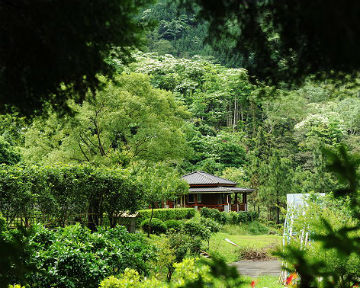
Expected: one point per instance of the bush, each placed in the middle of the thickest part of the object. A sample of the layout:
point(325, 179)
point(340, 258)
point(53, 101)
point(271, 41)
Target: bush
point(211, 224)
point(156, 226)
point(257, 228)
point(232, 218)
point(165, 214)
point(130, 279)
point(3, 226)
point(173, 224)
point(75, 257)
point(184, 244)
point(195, 228)
point(213, 214)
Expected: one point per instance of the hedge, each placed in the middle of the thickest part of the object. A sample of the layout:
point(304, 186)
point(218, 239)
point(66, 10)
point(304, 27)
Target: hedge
point(63, 194)
point(167, 214)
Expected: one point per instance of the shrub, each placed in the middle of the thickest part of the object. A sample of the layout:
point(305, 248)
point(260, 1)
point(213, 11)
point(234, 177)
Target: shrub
point(257, 228)
point(156, 226)
point(184, 244)
point(3, 226)
point(195, 228)
point(174, 224)
point(167, 214)
point(213, 214)
point(75, 257)
point(232, 218)
point(130, 279)
point(242, 217)
point(211, 224)
point(252, 216)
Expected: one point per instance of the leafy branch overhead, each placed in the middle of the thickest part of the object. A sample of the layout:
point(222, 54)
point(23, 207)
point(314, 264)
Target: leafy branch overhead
point(53, 50)
point(287, 40)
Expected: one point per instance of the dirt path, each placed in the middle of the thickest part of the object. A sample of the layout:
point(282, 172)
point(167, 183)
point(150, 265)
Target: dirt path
point(258, 268)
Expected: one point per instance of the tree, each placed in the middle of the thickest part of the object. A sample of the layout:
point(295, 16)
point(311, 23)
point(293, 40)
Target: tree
point(279, 183)
point(53, 50)
point(160, 183)
point(126, 122)
point(8, 154)
point(287, 40)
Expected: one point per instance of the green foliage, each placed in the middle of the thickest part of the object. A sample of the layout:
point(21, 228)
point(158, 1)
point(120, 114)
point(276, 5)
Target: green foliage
point(214, 214)
point(334, 254)
point(195, 228)
point(8, 154)
point(125, 122)
point(130, 279)
point(59, 194)
point(241, 217)
point(184, 244)
point(229, 217)
point(215, 95)
point(165, 214)
point(207, 272)
point(3, 226)
point(156, 226)
point(160, 183)
point(174, 225)
point(75, 257)
point(53, 69)
point(211, 224)
point(257, 228)
point(16, 253)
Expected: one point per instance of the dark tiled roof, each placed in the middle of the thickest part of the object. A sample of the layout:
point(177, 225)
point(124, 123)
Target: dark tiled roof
point(219, 190)
point(200, 177)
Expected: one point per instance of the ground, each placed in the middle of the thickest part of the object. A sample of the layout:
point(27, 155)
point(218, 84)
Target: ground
point(265, 273)
point(231, 253)
point(258, 268)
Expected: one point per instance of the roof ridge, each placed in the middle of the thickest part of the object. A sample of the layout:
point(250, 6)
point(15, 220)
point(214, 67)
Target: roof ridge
point(219, 177)
point(190, 173)
point(206, 176)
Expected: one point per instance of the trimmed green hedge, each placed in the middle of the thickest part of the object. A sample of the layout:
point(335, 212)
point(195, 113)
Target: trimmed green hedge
point(63, 194)
point(166, 214)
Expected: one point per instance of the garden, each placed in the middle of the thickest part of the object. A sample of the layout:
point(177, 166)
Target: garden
point(74, 256)
point(105, 105)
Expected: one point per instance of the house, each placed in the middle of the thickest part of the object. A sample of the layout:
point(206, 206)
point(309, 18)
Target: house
point(210, 191)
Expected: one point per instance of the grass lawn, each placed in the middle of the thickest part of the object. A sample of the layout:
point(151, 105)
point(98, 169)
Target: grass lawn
point(231, 253)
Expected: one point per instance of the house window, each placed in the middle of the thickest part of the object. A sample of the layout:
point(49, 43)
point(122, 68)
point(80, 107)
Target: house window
point(191, 198)
point(199, 198)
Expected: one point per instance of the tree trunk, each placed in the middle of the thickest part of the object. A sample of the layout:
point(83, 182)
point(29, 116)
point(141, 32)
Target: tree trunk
point(149, 224)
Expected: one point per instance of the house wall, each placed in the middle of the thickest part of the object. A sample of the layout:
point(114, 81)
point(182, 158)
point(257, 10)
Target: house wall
point(211, 200)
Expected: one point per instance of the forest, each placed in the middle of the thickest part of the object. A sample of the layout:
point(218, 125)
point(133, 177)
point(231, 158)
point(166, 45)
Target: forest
point(77, 153)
